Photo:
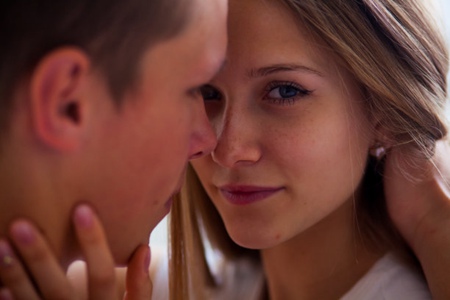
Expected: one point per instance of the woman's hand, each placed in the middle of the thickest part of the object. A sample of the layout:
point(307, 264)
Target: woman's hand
point(418, 196)
point(418, 201)
point(46, 279)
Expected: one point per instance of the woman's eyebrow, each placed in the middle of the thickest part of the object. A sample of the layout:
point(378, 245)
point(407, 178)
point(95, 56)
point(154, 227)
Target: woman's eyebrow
point(264, 71)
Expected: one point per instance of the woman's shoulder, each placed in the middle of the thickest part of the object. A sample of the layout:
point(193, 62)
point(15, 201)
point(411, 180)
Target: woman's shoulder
point(390, 278)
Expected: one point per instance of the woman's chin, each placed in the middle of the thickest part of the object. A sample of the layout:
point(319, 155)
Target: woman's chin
point(254, 240)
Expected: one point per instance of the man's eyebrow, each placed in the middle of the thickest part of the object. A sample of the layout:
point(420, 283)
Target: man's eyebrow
point(264, 71)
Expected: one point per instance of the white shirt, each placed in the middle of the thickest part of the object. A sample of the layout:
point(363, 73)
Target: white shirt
point(390, 279)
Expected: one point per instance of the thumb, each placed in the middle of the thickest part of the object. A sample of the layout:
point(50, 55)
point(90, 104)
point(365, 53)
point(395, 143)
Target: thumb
point(138, 283)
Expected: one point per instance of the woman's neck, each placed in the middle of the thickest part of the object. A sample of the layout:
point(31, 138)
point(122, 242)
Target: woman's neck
point(323, 262)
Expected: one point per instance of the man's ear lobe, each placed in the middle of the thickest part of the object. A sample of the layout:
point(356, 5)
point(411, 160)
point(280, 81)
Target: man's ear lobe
point(57, 105)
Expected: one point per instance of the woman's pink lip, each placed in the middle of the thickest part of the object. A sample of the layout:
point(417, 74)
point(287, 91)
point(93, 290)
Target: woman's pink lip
point(243, 195)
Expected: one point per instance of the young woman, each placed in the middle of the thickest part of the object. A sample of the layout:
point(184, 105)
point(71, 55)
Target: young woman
point(312, 98)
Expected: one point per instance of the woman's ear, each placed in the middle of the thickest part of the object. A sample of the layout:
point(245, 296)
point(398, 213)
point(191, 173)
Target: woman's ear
point(57, 103)
point(382, 141)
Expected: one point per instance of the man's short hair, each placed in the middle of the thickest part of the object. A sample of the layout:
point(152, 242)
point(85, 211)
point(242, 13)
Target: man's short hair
point(114, 33)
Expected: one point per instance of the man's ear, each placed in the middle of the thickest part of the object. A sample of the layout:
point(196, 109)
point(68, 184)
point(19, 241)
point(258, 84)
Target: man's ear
point(57, 103)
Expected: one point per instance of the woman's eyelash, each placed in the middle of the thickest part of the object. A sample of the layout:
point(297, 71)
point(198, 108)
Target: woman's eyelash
point(285, 92)
point(278, 92)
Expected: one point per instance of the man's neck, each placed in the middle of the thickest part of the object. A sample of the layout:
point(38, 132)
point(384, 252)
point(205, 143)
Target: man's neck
point(31, 191)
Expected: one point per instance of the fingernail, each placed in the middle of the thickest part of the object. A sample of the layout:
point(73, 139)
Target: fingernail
point(147, 260)
point(83, 216)
point(6, 257)
point(23, 233)
point(5, 294)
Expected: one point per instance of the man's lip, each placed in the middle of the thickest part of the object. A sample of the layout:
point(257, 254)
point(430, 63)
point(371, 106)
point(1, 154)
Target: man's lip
point(169, 201)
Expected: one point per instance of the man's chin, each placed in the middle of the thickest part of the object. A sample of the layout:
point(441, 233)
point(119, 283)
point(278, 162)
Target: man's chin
point(122, 260)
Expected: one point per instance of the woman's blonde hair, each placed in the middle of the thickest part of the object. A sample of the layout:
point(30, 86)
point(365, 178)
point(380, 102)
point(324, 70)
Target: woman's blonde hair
point(398, 56)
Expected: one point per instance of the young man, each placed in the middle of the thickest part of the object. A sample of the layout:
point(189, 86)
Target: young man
point(100, 104)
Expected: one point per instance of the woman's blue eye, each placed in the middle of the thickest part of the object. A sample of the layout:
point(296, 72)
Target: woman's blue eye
point(284, 92)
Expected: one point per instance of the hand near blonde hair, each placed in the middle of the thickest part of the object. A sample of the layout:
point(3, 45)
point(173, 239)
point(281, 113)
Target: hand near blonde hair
point(47, 280)
point(418, 200)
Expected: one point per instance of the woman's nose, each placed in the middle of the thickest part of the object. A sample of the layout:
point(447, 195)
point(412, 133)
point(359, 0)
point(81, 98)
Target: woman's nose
point(237, 142)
